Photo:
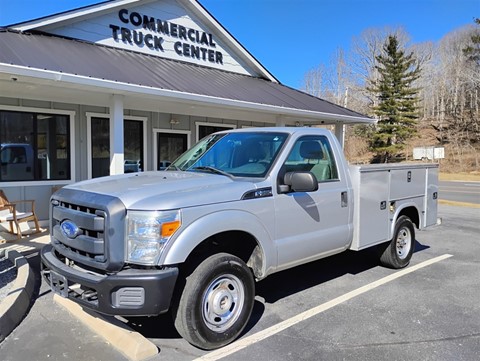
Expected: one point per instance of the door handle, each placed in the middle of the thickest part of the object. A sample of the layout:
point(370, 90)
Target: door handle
point(344, 197)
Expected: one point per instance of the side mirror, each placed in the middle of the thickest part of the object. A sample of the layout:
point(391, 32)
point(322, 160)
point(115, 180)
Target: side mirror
point(300, 182)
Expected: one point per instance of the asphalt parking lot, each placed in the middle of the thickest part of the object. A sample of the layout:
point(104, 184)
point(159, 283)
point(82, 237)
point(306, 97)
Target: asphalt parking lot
point(429, 312)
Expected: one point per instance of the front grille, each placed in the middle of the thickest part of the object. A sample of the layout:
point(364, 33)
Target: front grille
point(88, 228)
point(89, 240)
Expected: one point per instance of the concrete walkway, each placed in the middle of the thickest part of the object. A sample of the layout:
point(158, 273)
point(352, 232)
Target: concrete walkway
point(15, 305)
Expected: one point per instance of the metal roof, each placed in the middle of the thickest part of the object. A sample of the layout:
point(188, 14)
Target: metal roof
point(68, 56)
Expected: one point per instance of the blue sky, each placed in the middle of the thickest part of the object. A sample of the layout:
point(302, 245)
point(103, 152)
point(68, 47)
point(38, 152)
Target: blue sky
point(290, 37)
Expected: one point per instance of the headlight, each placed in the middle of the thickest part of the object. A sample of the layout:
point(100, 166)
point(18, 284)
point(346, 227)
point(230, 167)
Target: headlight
point(147, 233)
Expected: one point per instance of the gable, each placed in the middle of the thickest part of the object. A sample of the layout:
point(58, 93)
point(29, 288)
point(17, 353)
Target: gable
point(162, 28)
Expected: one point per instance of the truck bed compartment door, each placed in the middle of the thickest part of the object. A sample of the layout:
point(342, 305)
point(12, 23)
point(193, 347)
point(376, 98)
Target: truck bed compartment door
point(371, 214)
point(432, 197)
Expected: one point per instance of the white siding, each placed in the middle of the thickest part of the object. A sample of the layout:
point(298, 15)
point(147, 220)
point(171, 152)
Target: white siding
point(97, 29)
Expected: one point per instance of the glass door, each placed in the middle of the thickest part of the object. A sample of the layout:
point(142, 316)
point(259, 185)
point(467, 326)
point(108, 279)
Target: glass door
point(169, 147)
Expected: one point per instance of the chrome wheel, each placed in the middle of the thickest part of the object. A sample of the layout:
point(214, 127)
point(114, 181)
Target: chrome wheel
point(403, 242)
point(222, 302)
point(216, 302)
point(398, 252)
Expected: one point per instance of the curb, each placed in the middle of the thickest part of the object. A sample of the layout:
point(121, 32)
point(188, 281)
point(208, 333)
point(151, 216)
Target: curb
point(14, 307)
point(130, 343)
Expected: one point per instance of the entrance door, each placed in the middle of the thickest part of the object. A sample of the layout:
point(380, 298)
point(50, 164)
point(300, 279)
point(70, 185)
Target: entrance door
point(169, 147)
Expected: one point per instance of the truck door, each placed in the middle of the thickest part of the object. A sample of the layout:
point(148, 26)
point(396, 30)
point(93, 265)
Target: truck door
point(309, 225)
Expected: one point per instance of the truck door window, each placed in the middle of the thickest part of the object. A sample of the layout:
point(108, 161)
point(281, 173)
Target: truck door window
point(7, 155)
point(313, 154)
point(15, 155)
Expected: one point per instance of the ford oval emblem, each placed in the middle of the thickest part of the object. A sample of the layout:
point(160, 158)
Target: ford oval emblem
point(69, 228)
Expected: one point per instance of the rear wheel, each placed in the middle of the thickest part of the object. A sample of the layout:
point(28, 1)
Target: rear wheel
point(216, 302)
point(398, 252)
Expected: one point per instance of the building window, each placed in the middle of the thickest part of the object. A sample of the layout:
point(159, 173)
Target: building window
point(100, 146)
point(204, 129)
point(34, 146)
point(133, 143)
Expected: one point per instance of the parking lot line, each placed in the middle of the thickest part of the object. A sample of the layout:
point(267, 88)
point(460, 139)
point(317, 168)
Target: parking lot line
point(261, 335)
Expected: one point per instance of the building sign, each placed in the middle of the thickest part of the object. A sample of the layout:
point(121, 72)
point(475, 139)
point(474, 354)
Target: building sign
point(152, 33)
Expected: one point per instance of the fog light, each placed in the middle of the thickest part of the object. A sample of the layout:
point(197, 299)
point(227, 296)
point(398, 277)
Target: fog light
point(128, 297)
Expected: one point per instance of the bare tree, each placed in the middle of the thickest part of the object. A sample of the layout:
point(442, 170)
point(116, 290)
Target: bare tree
point(452, 104)
point(362, 58)
point(449, 83)
point(313, 81)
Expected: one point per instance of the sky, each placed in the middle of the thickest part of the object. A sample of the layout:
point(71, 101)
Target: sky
point(291, 37)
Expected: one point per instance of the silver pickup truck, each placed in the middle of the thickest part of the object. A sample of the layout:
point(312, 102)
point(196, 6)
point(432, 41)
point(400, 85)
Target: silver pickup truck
point(238, 206)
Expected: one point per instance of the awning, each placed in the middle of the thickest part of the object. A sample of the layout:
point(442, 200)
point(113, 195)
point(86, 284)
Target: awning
point(40, 53)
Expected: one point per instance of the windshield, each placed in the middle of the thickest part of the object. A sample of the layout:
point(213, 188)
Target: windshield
point(249, 154)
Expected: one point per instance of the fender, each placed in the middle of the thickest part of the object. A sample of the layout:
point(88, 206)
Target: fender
point(179, 247)
point(400, 206)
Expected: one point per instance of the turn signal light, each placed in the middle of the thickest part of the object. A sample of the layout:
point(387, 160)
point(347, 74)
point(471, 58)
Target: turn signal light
point(169, 228)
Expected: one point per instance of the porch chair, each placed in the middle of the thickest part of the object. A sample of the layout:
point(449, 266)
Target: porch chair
point(9, 213)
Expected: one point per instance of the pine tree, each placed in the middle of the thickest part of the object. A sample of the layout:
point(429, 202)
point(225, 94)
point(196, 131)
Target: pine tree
point(472, 51)
point(397, 109)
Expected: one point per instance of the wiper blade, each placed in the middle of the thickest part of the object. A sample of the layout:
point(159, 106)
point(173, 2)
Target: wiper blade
point(213, 170)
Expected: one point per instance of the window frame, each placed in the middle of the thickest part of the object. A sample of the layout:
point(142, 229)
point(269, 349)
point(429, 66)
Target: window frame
point(226, 126)
point(91, 115)
point(188, 133)
point(71, 115)
point(326, 144)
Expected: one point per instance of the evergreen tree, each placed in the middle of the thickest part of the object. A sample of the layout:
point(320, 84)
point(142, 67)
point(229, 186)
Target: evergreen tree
point(473, 51)
point(397, 109)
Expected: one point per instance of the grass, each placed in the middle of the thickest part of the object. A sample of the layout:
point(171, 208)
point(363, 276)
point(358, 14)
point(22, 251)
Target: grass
point(458, 204)
point(469, 177)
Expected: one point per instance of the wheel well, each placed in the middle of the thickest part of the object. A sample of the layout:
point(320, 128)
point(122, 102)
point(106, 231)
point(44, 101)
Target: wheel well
point(238, 243)
point(412, 213)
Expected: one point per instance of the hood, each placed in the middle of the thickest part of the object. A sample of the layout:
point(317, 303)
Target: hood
point(163, 190)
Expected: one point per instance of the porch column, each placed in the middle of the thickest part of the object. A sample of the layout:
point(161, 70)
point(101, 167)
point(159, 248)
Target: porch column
point(280, 121)
point(116, 135)
point(340, 133)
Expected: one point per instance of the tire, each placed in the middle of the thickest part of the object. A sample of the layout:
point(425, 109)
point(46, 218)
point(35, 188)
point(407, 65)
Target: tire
point(398, 252)
point(216, 302)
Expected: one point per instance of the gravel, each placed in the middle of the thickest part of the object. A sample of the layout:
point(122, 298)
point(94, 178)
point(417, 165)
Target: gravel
point(8, 273)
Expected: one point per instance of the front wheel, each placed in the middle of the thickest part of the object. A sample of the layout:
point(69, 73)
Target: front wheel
point(398, 252)
point(216, 302)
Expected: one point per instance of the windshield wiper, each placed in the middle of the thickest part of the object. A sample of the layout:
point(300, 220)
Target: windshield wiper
point(212, 170)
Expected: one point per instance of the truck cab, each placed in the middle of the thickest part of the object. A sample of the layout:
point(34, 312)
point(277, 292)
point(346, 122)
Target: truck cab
point(16, 161)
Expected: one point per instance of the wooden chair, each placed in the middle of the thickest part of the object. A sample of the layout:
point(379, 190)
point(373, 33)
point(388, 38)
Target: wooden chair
point(10, 214)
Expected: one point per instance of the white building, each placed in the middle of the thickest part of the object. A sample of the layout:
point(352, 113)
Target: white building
point(128, 85)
